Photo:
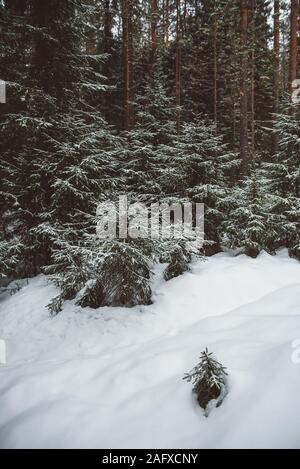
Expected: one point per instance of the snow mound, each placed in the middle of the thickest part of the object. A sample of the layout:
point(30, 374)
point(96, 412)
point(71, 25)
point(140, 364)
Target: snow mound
point(112, 377)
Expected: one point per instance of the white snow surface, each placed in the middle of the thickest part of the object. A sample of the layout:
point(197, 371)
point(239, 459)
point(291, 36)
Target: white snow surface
point(112, 377)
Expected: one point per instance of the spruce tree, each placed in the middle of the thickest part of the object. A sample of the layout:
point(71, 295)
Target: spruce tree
point(85, 169)
point(209, 380)
point(284, 180)
point(250, 226)
point(204, 166)
point(16, 138)
point(68, 161)
point(149, 143)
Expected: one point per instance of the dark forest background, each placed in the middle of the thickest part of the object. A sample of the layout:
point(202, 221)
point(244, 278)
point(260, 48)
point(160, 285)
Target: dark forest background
point(163, 100)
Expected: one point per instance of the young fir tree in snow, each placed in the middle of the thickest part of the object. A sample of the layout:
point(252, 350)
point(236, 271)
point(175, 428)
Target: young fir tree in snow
point(209, 380)
point(178, 257)
point(284, 181)
point(250, 225)
point(204, 164)
point(85, 169)
point(148, 170)
point(97, 273)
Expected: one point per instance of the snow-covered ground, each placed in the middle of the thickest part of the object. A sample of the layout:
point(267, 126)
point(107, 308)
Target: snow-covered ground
point(112, 377)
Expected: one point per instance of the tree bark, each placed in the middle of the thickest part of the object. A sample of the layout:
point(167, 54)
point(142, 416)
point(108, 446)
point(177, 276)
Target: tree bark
point(276, 70)
point(153, 28)
point(243, 87)
point(166, 22)
point(276, 55)
point(90, 42)
point(253, 41)
point(126, 64)
point(215, 32)
point(293, 41)
point(107, 25)
point(178, 67)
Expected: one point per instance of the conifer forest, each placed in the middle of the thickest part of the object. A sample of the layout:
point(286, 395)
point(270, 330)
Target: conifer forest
point(149, 216)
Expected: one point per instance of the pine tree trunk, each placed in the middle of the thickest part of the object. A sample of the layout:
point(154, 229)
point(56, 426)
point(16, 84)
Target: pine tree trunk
point(153, 32)
point(253, 41)
point(234, 131)
point(90, 42)
point(184, 18)
point(166, 22)
point(126, 64)
point(107, 26)
point(276, 55)
point(178, 67)
point(153, 29)
point(293, 45)
point(243, 87)
point(215, 71)
point(276, 66)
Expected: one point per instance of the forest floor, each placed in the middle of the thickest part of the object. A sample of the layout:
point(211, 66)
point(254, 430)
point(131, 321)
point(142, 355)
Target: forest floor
point(112, 377)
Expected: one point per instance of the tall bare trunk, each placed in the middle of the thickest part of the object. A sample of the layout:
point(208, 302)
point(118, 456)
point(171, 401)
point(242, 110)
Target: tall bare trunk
point(153, 28)
point(276, 71)
point(276, 55)
point(293, 41)
point(215, 32)
point(127, 64)
point(107, 25)
point(184, 18)
point(90, 41)
point(253, 41)
point(166, 22)
point(243, 87)
point(178, 66)
point(293, 45)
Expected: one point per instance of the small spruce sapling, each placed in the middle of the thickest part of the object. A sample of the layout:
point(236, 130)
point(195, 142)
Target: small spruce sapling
point(179, 259)
point(209, 380)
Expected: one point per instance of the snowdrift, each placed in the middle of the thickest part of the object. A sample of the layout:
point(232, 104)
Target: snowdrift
point(112, 377)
